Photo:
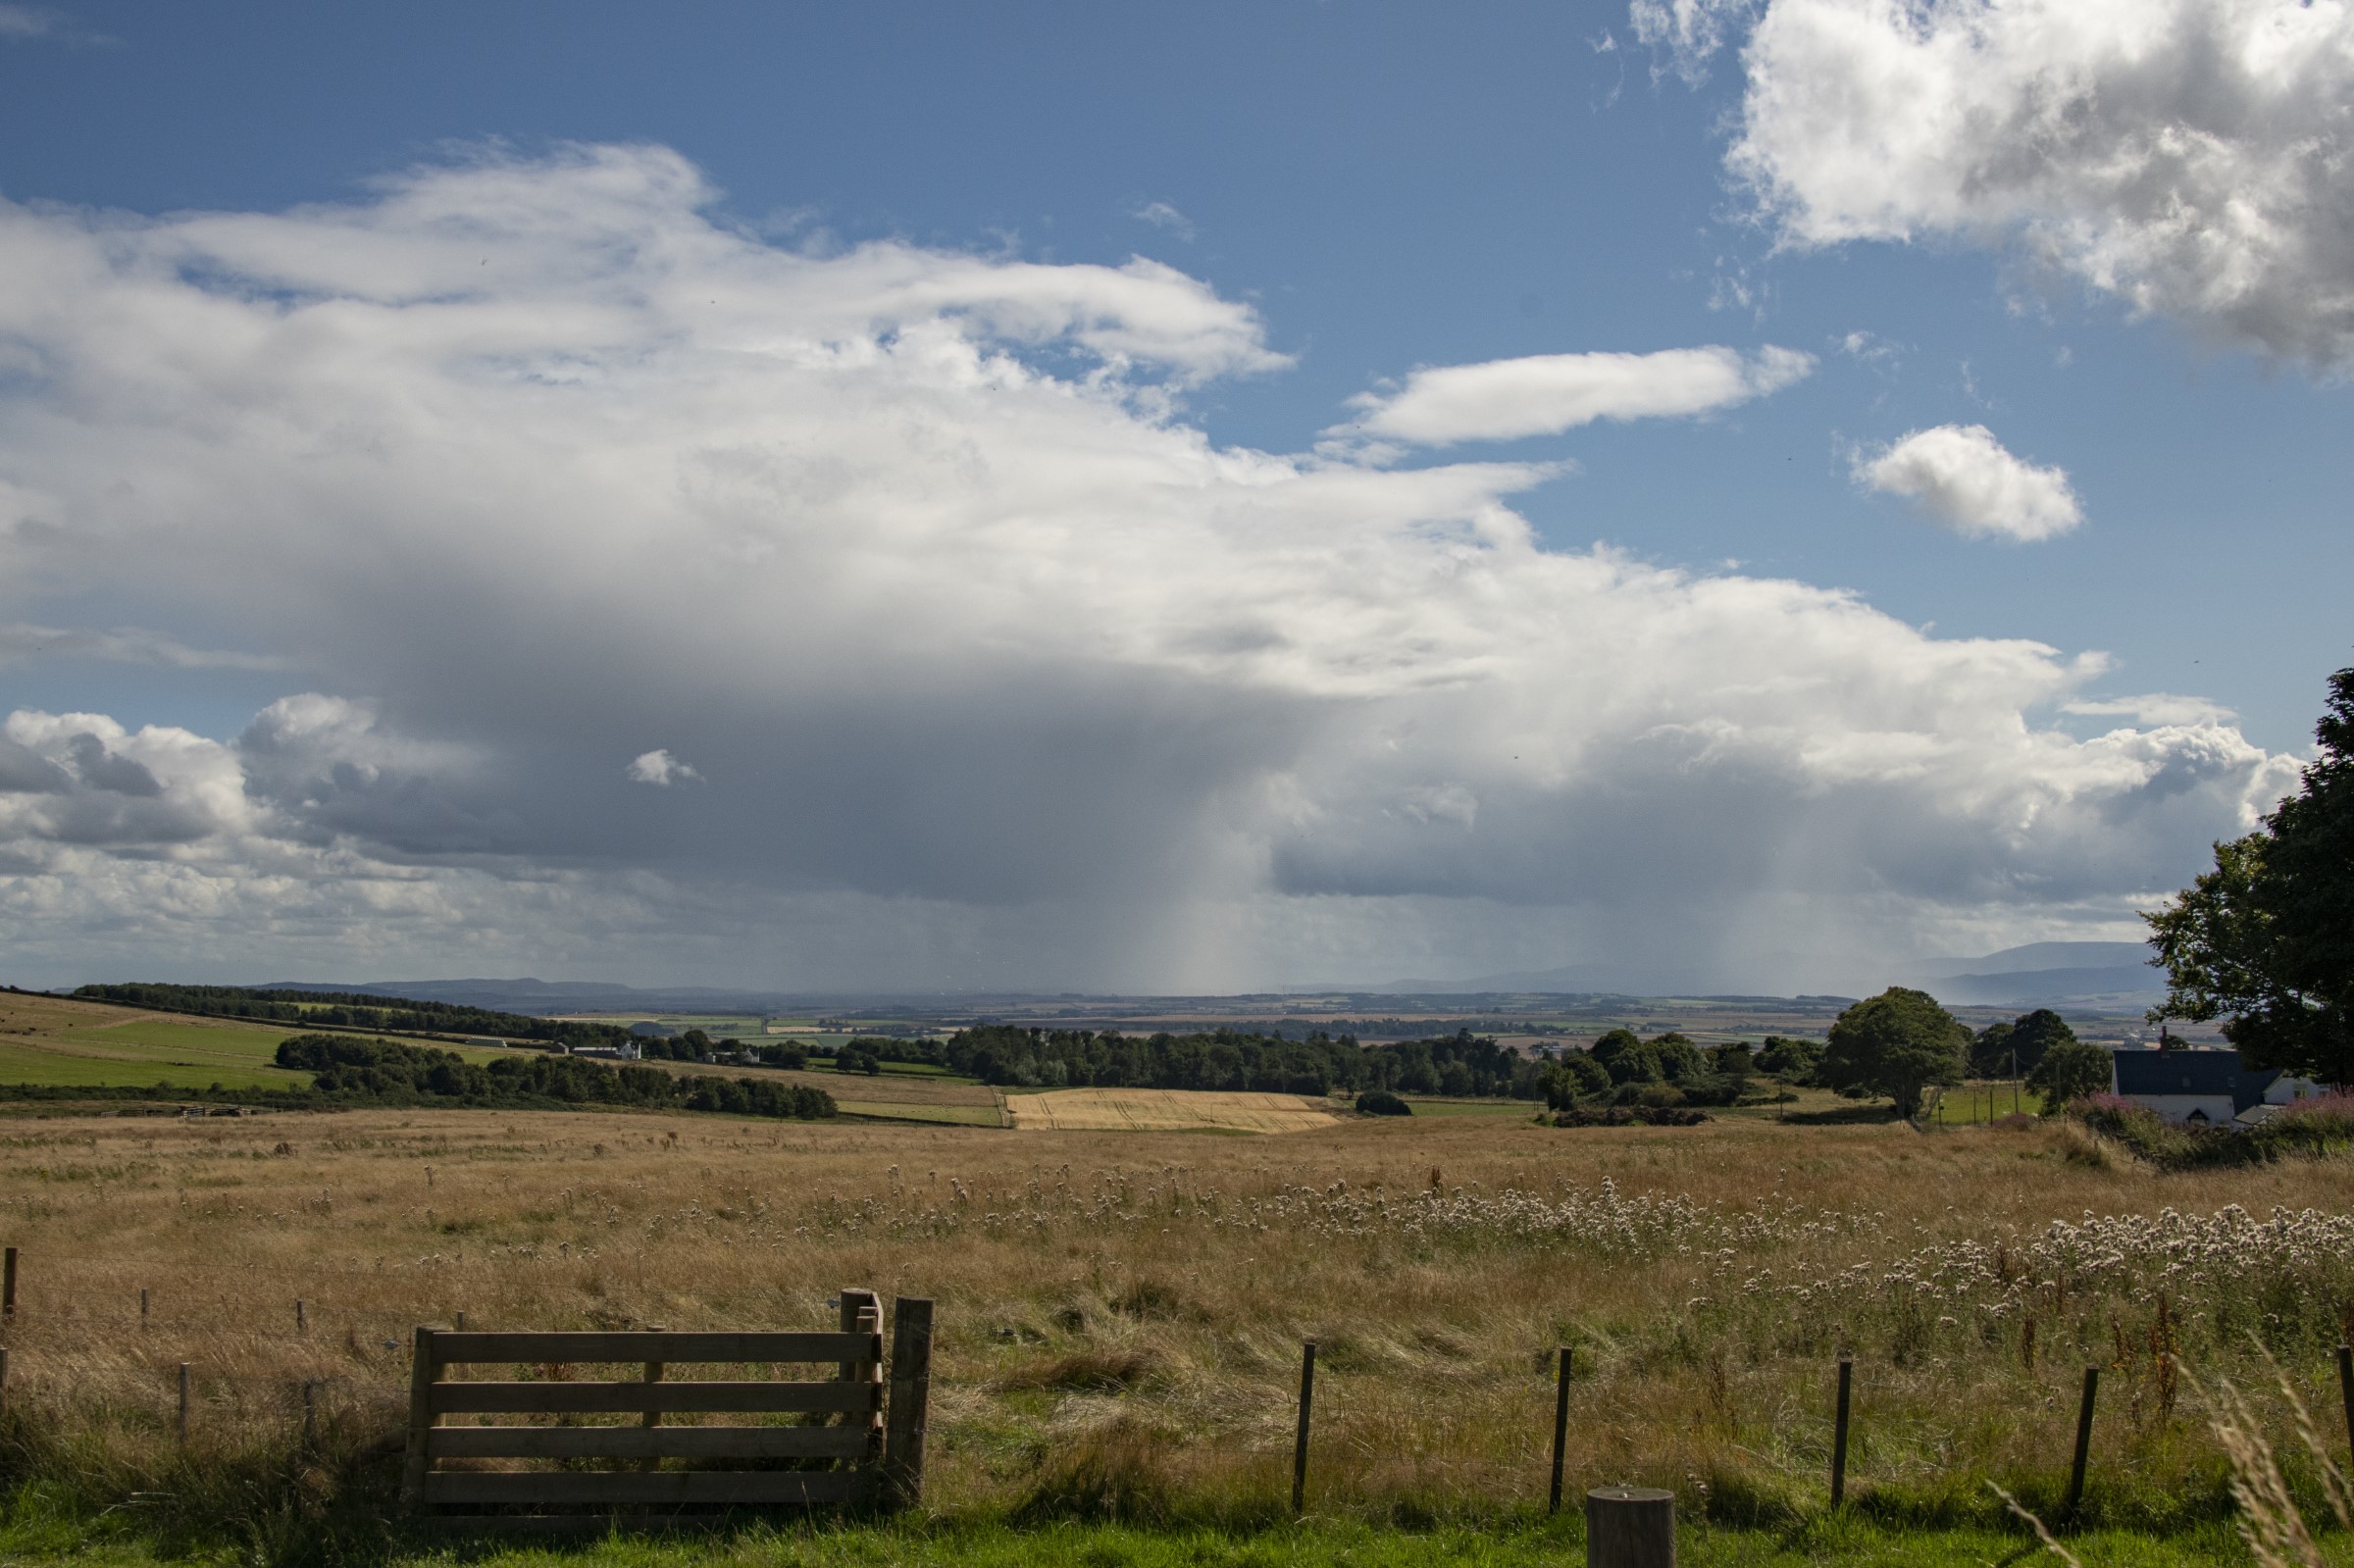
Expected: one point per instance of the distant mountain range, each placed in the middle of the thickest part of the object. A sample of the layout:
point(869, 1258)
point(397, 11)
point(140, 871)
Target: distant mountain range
point(2117, 974)
point(2114, 973)
point(2039, 974)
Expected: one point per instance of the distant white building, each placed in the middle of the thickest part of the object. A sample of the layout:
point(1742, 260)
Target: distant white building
point(625, 1052)
point(2204, 1088)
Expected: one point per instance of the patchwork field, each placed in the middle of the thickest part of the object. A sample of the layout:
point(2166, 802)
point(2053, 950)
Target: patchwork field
point(1165, 1110)
point(57, 1040)
point(54, 1041)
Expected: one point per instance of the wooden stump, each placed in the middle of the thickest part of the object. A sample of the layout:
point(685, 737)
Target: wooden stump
point(1630, 1527)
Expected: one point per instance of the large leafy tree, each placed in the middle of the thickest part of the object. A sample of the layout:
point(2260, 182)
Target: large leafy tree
point(2070, 1071)
point(2265, 940)
point(1896, 1043)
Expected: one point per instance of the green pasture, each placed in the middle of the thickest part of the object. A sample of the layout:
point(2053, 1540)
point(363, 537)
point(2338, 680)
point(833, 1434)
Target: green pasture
point(141, 1054)
point(151, 1051)
point(1977, 1103)
point(32, 1534)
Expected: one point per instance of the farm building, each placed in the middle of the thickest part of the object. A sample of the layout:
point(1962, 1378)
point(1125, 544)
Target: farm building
point(624, 1052)
point(2204, 1088)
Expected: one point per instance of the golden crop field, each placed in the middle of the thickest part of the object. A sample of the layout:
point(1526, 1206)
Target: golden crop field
point(1166, 1110)
point(1121, 1313)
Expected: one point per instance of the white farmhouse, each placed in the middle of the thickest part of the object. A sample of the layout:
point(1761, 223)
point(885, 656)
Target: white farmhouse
point(2204, 1088)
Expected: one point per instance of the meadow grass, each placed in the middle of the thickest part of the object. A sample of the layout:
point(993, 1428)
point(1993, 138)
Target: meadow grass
point(30, 1534)
point(1120, 1317)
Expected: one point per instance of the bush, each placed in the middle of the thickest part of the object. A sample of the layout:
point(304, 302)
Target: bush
point(2311, 1128)
point(1631, 1116)
point(2071, 1071)
point(1381, 1103)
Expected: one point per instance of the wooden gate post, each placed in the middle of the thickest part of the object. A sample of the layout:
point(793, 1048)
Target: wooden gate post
point(421, 1373)
point(911, 1396)
point(8, 1282)
point(862, 1313)
point(655, 1371)
point(1630, 1527)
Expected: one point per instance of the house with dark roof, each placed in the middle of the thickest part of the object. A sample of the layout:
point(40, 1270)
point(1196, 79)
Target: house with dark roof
point(2204, 1088)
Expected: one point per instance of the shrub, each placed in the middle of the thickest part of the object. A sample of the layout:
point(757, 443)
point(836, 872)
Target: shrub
point(1381, 1103)
point(1631, 1116)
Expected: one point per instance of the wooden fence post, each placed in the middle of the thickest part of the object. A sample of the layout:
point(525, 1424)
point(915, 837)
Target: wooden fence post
point(302, 1321)
point(8, 1282)
point(1307, 1401)
point(143, 1306)
point(183, 1404)
point(1560, 1431)
point(2075, 1472)
point(1847, 1378)
point(422, 1375)
point(654, 1373)
point(2346, 1391)
point(2, 1377)
point(1630, 1527)
point(911, 1398)
point(862, 1313)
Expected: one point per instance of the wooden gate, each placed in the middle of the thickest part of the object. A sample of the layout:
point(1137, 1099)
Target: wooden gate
point(835, 1441)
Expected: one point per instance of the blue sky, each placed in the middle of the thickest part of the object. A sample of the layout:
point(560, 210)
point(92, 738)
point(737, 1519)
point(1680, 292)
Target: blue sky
point(1379, 190)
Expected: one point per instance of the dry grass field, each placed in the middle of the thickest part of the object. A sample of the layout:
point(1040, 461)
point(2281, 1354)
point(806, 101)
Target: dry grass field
point(1166, 1110)
point(1121, 1312)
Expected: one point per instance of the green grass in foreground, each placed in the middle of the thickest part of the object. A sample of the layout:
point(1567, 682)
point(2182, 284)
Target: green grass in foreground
point(26, 1536)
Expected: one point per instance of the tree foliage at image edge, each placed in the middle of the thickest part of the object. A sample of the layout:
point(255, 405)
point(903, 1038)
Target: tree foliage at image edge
point(2266, 939)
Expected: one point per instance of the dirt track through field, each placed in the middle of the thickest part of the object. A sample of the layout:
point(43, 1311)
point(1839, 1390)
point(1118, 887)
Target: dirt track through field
point(1164, 1110)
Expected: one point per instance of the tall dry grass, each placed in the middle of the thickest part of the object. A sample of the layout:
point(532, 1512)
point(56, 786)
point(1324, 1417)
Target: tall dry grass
point(1120, 1314)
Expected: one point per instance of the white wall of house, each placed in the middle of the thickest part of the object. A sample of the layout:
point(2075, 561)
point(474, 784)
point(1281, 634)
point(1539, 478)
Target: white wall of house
point(2177, 1108)
point(2288, 1091)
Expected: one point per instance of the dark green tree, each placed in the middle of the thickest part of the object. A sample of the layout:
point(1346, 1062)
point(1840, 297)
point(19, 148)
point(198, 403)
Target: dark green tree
point(2070, 1071)
point(2036, 1034)
point(2265, 940)
point(1990, 1052)
point(1793, 1061)
point(1896, 1043)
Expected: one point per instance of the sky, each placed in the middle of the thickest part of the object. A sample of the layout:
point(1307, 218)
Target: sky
point(1729, 494)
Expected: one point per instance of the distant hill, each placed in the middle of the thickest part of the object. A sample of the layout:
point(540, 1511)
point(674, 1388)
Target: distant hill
point(2039, 974)
point(542, 999)
point(2042, 958)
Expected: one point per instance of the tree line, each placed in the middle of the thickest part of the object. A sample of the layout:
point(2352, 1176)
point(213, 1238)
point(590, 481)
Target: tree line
point(352, 1072)
point(354, 1010)
point(1319, 1063)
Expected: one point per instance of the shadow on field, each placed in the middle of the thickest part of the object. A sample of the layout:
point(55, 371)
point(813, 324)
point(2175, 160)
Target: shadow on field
point(1841, 1116)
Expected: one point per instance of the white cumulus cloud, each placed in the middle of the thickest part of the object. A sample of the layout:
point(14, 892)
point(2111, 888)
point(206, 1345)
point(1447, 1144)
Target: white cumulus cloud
point(2194, 158)
point(1545, 394)
point(660, 767)
point(1962, 476)
point(998, 671)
